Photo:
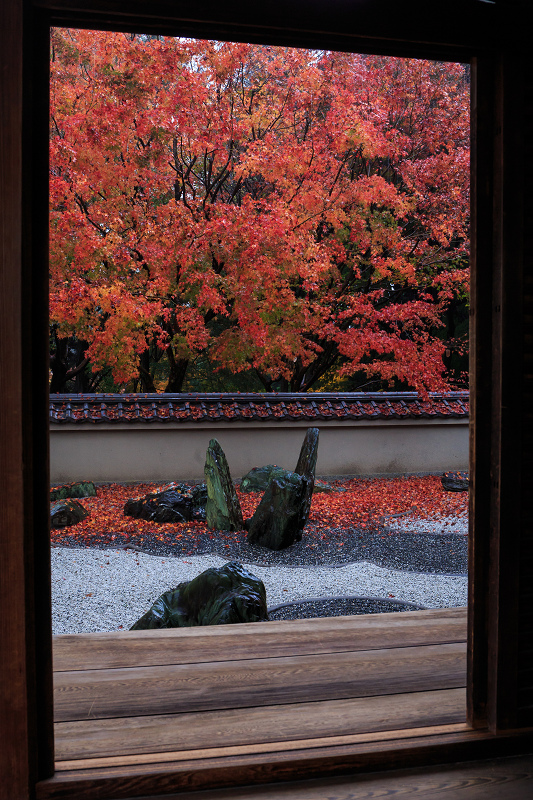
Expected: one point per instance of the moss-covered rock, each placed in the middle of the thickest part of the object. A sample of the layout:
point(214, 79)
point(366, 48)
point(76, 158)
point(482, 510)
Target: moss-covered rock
point(79, 489)
point(258, 478)
point(281, 515)
point(222, 511)
point(222, 596)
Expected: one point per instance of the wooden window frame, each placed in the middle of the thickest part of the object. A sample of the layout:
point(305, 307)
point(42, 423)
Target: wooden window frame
point(492, 37)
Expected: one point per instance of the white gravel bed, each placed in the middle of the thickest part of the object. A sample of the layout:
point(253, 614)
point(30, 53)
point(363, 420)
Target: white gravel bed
point(441, 525)
point(108, 590)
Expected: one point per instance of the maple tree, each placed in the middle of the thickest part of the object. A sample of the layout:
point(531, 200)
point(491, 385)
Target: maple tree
point(287, 211)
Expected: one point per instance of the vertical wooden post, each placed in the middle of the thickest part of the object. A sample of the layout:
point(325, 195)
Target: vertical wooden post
point(26, 753)
point(481, 235)
point(510, 622)
point(500, 691)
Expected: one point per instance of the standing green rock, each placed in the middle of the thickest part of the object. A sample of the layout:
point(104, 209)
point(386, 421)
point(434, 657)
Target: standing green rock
point(222, 510)
point(283, 512)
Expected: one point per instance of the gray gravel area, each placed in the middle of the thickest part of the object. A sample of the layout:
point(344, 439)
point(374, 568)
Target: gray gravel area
point(107, 590)
point(407, 523)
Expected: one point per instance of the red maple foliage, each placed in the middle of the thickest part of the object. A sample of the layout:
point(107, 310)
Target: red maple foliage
point(284, 210)
point(364, 504)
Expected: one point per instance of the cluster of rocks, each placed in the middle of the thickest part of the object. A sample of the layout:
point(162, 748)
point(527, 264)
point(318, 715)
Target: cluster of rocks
point(283, 511)
point(65, 510)
point(277, 523)
point(177, 502)
point(230, 594)
point(280, 517)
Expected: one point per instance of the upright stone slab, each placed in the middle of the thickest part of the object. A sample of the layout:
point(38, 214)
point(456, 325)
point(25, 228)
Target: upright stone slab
point(308, 454)
point(282, 513)
point(306, 466)
point(222, 510)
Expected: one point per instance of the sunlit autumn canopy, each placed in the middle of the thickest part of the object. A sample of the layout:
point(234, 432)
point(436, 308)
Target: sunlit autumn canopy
point(282, 210)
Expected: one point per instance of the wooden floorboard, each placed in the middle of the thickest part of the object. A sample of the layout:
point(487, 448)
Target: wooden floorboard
point(141, 697)
point(87, 694)
point(249, 750)
point(494, 779)
point(258, 640)
point(234, 727)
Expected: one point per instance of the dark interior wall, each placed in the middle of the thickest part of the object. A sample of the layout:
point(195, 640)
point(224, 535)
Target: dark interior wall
point(501, 661)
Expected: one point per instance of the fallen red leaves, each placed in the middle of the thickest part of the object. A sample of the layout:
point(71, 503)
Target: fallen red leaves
point(364, 503)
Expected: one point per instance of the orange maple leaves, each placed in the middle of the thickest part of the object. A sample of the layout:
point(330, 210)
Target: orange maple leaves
point(268, 205)
point(355, 504)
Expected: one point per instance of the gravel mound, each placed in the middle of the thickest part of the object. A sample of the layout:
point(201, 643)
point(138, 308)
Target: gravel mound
point(107, 590)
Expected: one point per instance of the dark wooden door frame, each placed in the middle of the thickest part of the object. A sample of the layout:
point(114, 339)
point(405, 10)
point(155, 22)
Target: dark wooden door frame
point(501, 557)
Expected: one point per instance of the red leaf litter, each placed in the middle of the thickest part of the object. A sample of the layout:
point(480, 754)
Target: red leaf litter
point(357, 503)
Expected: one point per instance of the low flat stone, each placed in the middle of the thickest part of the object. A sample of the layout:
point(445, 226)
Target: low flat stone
point(258, 478)
point(177, 502)
point(282, 513)
point(455, 481)
point(66, 513)
point(79, 489)
point(218, 596)
point(322, 486)
point(222, 511)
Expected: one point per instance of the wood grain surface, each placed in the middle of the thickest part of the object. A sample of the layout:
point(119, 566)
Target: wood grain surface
point(260, 640)
point(497, 779)
point(86, 694)
point(235, 727)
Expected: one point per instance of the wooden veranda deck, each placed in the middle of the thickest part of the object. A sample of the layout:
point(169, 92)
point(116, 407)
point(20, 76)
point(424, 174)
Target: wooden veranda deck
point(154, 697)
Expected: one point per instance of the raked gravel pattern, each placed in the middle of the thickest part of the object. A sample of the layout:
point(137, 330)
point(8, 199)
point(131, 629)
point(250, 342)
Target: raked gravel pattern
point(107, 590)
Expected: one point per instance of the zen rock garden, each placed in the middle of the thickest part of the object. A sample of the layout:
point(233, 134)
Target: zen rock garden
point(229, 594)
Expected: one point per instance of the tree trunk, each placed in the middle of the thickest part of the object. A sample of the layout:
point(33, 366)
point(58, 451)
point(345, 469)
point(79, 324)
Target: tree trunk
point(178, 370)
point(145, 376)
point(59, 362)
